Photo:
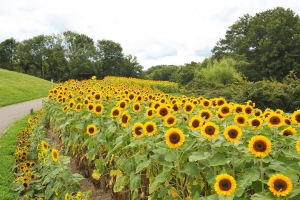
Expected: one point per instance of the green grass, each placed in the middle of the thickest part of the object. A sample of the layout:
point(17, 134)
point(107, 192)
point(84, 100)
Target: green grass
point(7, 150)
point(17, 87)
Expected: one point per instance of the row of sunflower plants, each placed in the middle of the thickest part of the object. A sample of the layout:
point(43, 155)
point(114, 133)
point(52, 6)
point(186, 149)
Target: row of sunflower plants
point(143, 143)
point(40, 172)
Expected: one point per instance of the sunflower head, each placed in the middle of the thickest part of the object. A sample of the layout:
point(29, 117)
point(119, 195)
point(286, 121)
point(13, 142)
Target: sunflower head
point(55, 155)
point(260, 146)
point(91, 129)
point(233, 133)
point(241, 119)
point(206, 114)
point(289, 131)
point(280, 185)
point(163, 111)
point(196, 123)
point(136, 107)
point(174, 137)
point(210, 130)
point(225, 184)
point(256, 123)
point(137, 130)
point(115, 112)
point(150, 113)
point(150, 128)
point(170, 120)
point(275, 120)
point(296, 117)
point(125, 119)
point(225, 109)
point(188, 107)
point(98, 108)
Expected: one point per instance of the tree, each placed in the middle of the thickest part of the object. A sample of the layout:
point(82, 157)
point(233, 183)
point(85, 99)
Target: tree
point(131, 67)
point(8, 53)
point(269, 41)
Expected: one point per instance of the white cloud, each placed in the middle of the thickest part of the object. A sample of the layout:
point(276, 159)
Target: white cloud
point(157, 31)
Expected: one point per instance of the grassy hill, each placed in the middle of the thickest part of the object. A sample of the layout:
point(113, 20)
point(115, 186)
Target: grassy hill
point(17, 87)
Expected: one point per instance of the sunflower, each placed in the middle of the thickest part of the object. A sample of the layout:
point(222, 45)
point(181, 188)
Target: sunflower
point(125, 118)
point(248, 110)
point(289, 131)
point(150, 113)
point(97, 96)
point(136, 107)
point(250, 103)
point(72, 104)
point(78, 196)
point(55, 155)
point(163, 111)
point(257, 112)
point(90, 106)
point(25, 183)
point(256, 123)
point(287, 120)
point(241, 120)
point(206, 114)
point(225, 110)
point(259, 146)
point(78, 107)
point(170, 120)
point(210, 130)
point(298, 145)
point(98, 108)
point(67, 196)
point(220, 101)
point(115, 112)
point(174, 137)
point(137, 130)
point(280, 185)
point(149, 128)
point(91, 129)
point(238, 108)
point(176, 108)
point(188, 107)
point(220, 116)
point(275, 120)
point(195, 123)
point(225, 184)
point(233, 133)
point(45, 146)
point(65, 108)
point(122, 104)
point(296, 117)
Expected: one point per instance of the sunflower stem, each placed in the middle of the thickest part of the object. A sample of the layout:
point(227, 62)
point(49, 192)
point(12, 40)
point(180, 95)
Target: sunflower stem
point(232, 162)
point(261, 174)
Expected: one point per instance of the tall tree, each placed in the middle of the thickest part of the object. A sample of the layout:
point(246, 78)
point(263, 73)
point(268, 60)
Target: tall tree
point(270, 42)
point(8, 53)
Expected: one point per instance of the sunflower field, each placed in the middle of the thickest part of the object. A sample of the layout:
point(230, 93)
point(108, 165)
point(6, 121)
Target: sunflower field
point(140, 142)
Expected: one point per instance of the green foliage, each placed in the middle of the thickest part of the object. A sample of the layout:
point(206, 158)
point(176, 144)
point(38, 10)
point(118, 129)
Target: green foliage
point(269, 41)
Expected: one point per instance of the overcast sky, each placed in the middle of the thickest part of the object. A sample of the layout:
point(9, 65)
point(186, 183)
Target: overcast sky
point(157, 32)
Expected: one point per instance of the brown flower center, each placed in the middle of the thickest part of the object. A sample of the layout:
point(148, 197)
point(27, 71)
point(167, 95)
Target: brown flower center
point(232, 133)
point(138, 130)
point(225, 185)
point(174, 138)
point(280, 185)
point(274, 120)
point(260, 146)
point(210, 130)
point(255, 122)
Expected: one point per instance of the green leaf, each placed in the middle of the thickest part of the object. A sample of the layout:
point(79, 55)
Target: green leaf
point(263, 195)
point(170, 156)
point(199, 156)
point(121, 182)
point(251, 174)
point(218, 159)
point(142, 166)
point(160, 178)
point(100, 166)
point(135, 181)
point(77, 177)
point(191, 169)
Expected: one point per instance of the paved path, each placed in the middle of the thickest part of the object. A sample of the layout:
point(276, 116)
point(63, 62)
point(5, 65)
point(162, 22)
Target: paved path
point(9, 114)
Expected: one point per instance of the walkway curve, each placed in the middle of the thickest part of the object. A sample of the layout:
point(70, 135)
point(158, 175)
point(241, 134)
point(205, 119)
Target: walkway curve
point(11, 113)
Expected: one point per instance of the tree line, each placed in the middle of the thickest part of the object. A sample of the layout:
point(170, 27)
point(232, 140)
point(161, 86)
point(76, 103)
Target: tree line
point(66, 56)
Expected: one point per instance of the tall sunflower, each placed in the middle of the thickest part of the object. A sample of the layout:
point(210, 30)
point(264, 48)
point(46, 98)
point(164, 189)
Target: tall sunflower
point(196, 123)
point(137, 130)
point(296, 117)
point(188, 107)
point(174, 137)
point(225, 184)
point(275, 120)
point(256, 123)
point(150, 128)
point(238, 108)
point(115, 112)
point(210, 130)
point(163, 111)
point(280, 185)
point(260, 146)
point(55, 155)
point(98, 108)
point(78, 107)
point(241, 119)
point(233, 133)
point(150, 113)
point(206, 114)
point(289, 131)
point(225, 110)
point(91, 129)
point(170, 120)
point(136, 107)
point(45, 146)
point(125, 119)
point(248, 110)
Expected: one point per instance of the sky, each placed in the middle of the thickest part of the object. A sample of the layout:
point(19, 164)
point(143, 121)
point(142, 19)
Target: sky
point(157, 32)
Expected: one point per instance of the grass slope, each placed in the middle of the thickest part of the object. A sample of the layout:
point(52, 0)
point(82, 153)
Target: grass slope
point(17, 87)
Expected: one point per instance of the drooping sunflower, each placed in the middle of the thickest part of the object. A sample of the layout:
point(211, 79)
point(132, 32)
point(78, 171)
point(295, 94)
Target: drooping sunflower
point(275, 120)
point(196, 123)
point(45, 146)
point(280, 185)
point(78, 107)
point(260, 146)
point(256, 123)
point(163, 111)
point(170, 120)
point(225, 110)
point(188, 107)
point(206, 114)
point(115, 112)
point(91, 129)
point(98, 108)
point(241, 120)
point(298, 146)
point(289, 131)
point(150, 128)
point(174, 137)
point(150, 113)
point(136, 107)
point(210, 130)
point(55, 155)
point(296, 117)
point(233, 133)
point(137, 130)
point(225, 184)
point(125, 119)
